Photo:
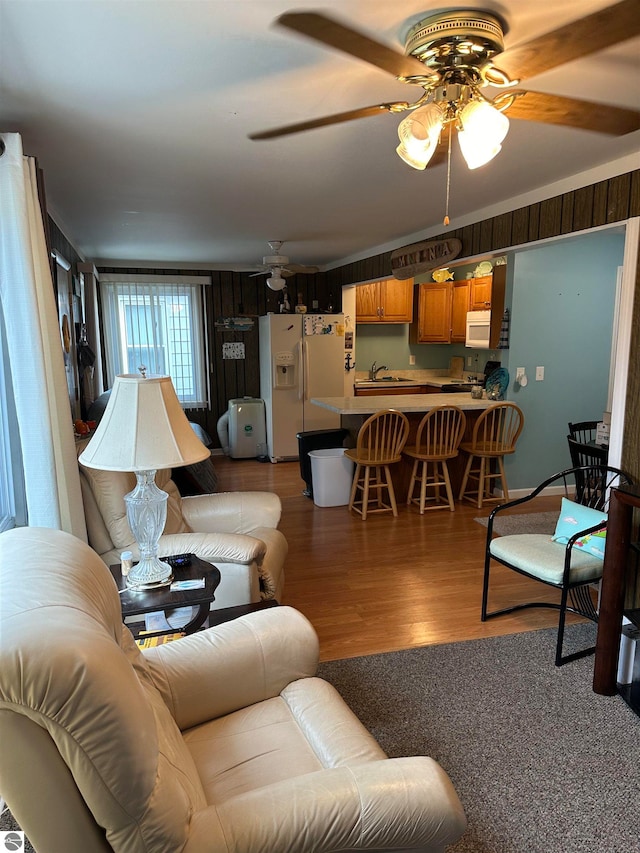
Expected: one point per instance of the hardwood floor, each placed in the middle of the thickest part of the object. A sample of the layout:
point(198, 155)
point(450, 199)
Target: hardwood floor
point(387, 584)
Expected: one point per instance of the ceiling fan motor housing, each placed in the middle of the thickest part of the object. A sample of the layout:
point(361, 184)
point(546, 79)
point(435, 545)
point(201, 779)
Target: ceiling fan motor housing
point(454, 39)
point(275, 260)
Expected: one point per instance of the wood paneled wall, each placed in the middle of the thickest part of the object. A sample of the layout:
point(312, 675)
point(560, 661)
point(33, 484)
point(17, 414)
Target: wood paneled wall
point(598, 204)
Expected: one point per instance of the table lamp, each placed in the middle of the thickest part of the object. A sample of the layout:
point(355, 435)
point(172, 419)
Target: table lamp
point(144, 428)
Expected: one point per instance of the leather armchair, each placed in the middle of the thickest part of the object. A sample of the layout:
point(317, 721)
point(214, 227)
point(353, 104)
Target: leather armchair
point(235, 530)
point(221, 741)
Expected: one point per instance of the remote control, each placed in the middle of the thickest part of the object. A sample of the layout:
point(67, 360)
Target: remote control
point(178, 560)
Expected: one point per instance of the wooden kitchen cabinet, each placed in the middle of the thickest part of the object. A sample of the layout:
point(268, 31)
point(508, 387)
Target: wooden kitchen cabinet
point(434, 313)
point(460, 305)
point(442, 312)
point(441, 308)
point(386, 301)
point(480, 298)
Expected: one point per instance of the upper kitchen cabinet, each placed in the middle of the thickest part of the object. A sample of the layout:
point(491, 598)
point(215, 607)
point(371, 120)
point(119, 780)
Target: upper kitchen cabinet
point(442, 307)
point(434, 313)
point(460, 304)
point(386, 301)
point(481, 292)
point(442, 312)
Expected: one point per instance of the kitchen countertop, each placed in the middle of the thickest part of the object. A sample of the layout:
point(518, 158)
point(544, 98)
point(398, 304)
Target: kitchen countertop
point(437, 381)
point(401, 402)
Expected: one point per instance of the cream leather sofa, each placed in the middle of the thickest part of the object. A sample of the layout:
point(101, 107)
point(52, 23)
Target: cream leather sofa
point(222, 741)
point(235, 530)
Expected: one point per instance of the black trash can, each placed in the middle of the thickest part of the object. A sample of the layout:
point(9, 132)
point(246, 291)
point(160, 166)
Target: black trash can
point(317, 439)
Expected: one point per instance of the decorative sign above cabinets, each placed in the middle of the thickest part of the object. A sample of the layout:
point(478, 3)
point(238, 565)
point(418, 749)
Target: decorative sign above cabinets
point(422, 257)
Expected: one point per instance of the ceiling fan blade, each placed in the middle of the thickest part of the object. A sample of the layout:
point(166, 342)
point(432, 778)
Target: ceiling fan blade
point(338, 118)
point(302, 268)
point(571, 112)
point(341, 37)
point(583, 37)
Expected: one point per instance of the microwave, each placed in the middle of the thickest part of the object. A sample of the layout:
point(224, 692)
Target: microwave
point(478, 329)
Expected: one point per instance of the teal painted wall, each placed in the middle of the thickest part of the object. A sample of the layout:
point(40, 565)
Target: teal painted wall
point(389, 344)
point(563, 299)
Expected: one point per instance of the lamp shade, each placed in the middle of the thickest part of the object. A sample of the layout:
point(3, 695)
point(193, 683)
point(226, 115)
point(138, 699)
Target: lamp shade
point(483, 129)
point(143, 428)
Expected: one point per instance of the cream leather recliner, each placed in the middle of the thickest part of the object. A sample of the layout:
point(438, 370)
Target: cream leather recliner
point(237, 531)
point(222, 741)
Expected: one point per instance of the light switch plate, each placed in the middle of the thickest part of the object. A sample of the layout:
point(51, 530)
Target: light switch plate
point(539, 374)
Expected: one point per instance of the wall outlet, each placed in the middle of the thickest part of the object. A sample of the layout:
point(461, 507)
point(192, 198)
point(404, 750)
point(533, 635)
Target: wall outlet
point(412, 360)
point(539, 374)
point(468, 361)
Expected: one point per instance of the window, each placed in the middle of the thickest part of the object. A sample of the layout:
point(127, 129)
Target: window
point(157, 323)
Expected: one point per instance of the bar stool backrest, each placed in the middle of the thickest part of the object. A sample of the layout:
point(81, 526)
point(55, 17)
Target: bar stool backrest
point(382, 437)
point(497, 430)
point(440, 432)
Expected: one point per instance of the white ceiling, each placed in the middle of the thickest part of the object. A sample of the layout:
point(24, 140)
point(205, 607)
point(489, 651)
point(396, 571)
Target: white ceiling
point(139, 114)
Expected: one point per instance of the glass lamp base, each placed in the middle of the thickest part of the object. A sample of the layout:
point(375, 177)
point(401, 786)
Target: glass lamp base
point(149, 574)
point(146, 514)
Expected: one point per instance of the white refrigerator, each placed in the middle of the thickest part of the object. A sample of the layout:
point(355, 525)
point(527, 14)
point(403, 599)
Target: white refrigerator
point(302, 356)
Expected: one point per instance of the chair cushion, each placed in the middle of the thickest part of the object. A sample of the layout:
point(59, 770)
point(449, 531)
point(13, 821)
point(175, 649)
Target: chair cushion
point(306, 729)
point(575, 517)
point(539, 556)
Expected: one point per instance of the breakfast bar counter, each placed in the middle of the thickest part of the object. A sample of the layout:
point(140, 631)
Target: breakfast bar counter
point(354, 411)
point(407, 403)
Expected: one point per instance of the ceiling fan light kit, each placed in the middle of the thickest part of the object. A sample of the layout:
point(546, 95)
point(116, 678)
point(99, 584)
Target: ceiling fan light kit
point(454, 55)
point(275, 280)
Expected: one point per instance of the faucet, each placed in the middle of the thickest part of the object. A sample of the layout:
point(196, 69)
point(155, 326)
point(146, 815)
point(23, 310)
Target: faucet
point(375, 370)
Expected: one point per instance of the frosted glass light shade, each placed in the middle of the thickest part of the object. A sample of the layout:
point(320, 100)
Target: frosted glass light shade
point(419, 133)
point(143, 428)
point(483, 129)
point(275, 282)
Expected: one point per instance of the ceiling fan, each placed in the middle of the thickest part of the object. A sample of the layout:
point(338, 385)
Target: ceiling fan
point(277, 267)
point(452, 56)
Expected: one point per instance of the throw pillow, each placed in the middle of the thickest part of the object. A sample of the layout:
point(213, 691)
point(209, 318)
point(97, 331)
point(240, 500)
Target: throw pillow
point(574, 518)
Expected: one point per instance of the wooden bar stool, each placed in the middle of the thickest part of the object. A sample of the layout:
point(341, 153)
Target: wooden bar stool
point(380, 442)
point(494, 436)
point(438, 438)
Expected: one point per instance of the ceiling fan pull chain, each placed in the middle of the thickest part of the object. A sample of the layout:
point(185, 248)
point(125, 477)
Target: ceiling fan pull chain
point(446, 211)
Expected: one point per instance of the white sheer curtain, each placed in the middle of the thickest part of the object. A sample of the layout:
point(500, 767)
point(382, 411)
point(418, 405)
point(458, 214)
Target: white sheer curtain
point(35, 352)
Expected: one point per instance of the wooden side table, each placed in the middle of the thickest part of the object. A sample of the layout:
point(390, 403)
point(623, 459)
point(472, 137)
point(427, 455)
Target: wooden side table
point(138, 602)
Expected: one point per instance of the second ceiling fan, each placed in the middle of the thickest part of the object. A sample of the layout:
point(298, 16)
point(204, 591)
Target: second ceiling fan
point(277, 267)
